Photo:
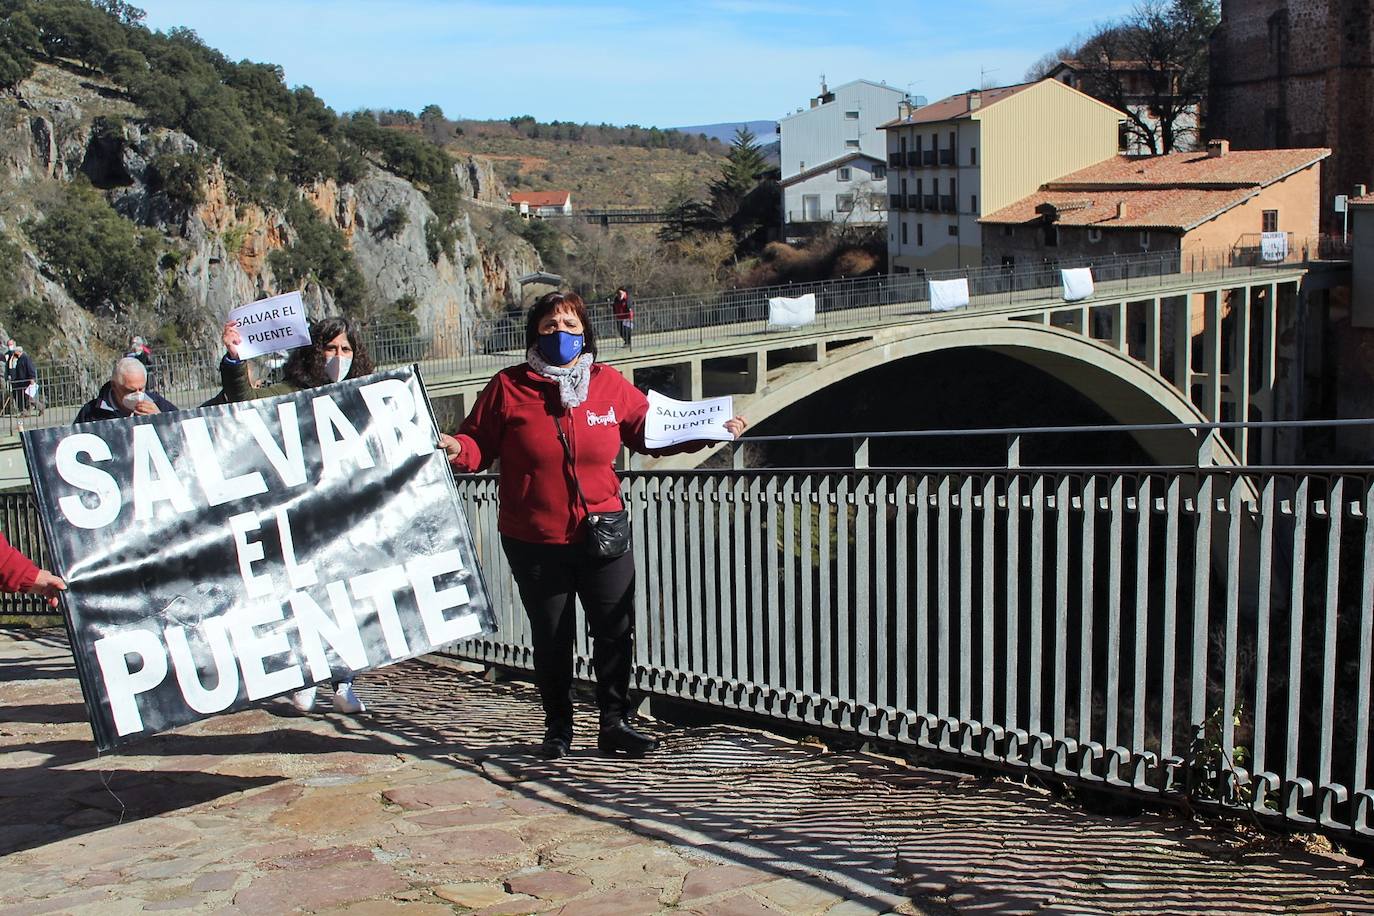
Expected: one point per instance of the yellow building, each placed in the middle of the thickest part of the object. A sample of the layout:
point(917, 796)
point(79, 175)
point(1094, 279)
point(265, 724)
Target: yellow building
point(953, 160)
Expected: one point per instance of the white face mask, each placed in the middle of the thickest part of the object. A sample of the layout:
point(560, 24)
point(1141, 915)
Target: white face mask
point(132, 399)
point(336, 367)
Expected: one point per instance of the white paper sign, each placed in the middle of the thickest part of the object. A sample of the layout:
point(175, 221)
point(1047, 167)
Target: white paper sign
point(671, 421)
point(278, 323)
point(948, 295)
point(784, 312)
point(1078, 283)
point(1273, 246)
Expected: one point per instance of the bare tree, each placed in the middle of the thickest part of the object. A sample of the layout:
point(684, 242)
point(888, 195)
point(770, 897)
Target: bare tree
point(1152, 66)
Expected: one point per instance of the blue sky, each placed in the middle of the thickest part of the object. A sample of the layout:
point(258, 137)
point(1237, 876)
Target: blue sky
point(654, 62)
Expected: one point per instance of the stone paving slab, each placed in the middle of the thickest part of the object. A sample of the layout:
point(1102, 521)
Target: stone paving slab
point(432, 803)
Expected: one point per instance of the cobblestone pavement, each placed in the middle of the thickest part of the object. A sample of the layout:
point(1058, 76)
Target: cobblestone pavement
point(431, 803)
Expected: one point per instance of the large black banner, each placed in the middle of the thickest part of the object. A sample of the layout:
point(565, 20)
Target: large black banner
point(218, 556)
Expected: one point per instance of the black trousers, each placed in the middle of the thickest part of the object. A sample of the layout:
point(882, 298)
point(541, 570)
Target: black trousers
point(549, 577)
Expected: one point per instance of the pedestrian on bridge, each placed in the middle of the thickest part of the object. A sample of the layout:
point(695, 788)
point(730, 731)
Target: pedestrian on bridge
point(624, 313)
point(557, 422)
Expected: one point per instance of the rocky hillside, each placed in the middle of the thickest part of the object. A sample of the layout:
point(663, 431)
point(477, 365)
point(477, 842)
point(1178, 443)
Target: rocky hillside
point(88, 180)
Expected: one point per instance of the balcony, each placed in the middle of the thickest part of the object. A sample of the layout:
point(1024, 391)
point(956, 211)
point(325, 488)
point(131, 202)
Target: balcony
point(946, 157)
point(914, 202)
point(894, 160)
point(928, 157)
point(913, 160)
point(947, 204)
point(895, 201)
point(930, 203)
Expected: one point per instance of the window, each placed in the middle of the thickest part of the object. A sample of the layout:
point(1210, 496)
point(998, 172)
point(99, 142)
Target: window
point(904, 232)
point(852, 144)
point(879, 172)
point(1008, 231)
point(1145, 239)
point(920, 144)
point(843, 174)
point(844, 203)
point(851, 115)
point(1094, 235)
point(919, 189)
point(954, 230)
point(920, 234)
point(953, 140)
point(973, 203)
point(973, 155)
point(903, 141)
point(918, 186)
point(1270, 221)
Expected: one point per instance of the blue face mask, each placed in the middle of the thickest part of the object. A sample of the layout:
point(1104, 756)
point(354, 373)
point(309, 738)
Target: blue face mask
point(560, 347)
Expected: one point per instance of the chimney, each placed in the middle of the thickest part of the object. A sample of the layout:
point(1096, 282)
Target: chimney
point(975, 99)
point(1121, 209)
point(1359, 191)
point(1218, 148)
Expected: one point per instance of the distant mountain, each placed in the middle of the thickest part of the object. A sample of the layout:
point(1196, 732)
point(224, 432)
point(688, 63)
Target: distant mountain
point(766, 131)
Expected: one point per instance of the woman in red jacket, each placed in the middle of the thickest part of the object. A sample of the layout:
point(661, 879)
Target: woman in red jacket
point(523, 417)
point(20, 574)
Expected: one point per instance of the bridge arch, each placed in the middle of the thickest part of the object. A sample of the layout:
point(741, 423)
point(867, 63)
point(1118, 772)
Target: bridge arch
point(1123, 387)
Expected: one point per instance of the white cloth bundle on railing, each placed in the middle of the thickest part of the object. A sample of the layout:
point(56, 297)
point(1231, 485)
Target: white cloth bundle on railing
point(948, 295)
point(1078, 283)
point(785, 312)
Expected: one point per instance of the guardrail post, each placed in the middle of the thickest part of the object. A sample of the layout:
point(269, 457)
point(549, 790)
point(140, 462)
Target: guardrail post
point(1013, 452)
point(1206, 449)
point(860, 453)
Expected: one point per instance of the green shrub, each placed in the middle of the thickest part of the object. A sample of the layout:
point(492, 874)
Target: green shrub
point(181, 176)
point(320, 253)
point(104, 261)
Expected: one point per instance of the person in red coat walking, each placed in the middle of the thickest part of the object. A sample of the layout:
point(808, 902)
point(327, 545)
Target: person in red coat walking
point(557, 423)
point(20, 574)
point(624, 311)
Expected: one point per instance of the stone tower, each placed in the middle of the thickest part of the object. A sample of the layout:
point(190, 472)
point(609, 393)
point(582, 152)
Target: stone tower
point(1298, 73)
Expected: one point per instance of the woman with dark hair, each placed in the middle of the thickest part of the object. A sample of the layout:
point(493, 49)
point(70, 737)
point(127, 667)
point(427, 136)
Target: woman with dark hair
point(336, 352)
point(557, 423)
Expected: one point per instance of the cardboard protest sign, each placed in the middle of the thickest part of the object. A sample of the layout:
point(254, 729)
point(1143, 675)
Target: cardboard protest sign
point(791, 312)
point(279, 323)
point(1078, 283)
point(218, 556)
point(948, 295)
point(670, 421)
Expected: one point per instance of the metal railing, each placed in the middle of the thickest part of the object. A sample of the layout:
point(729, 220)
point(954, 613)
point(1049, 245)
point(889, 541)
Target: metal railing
point(1198, 635)
point(188, 377)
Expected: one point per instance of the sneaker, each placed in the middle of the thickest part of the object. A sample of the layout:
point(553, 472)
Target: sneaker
point(345, 700)
point(304, 700)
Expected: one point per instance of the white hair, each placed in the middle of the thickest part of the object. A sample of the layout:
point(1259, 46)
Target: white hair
point(128, 366)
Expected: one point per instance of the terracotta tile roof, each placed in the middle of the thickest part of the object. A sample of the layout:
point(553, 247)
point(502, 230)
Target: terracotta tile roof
point(1236, 169)
point(1362, 201)
point(540, 198)
point(956, 106)
point(1169, 208)
point(827, 166)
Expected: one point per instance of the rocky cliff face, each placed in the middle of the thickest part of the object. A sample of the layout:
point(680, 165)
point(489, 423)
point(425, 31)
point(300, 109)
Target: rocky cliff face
point(215, 254)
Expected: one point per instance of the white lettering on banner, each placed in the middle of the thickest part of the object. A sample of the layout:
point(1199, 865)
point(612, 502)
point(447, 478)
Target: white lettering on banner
point(90, 479)
point(253, 648)
point(606, 419)
point(340, 630)
point(381, 586)
point(288, 460)
point(217, 489)
point(122, 683)
point(249, 552)
point(432, 604)
point(154, 477)
point(226, 687)
point(404, 433)
point(298, 575)
point(336, 451)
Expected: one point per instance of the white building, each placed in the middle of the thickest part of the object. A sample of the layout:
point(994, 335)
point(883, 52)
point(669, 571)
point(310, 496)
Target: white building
point(834, 156)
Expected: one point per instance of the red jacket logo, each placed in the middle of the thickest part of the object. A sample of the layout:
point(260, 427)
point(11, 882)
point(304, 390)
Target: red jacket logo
point(606, 419)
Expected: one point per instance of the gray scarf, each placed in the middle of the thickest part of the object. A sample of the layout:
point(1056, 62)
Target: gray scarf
point(572, 381)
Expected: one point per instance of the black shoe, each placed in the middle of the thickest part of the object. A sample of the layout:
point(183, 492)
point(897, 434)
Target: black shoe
point(557, 742)
point(622, 738)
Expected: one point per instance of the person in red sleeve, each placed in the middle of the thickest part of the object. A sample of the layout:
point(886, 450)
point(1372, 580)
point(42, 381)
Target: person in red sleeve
point(523, 417)
point(20, 574)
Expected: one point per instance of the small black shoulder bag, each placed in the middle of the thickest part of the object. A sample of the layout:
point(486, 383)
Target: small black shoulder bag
point(608, 533)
